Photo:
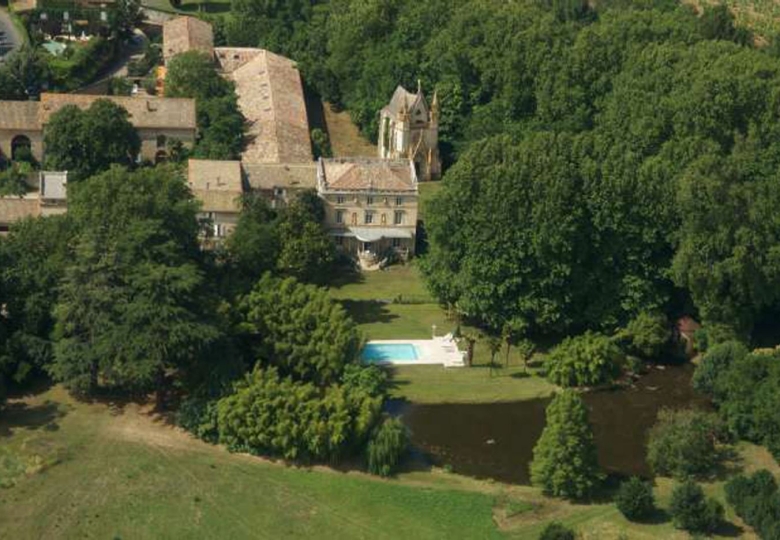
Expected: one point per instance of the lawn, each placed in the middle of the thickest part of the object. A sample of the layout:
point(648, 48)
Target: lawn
point(100, 470)
point(378, 303)
point(96, 471)
point(345, 137)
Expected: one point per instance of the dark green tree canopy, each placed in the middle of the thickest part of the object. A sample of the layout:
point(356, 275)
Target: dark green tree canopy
point(299, 329)
point(86, 142)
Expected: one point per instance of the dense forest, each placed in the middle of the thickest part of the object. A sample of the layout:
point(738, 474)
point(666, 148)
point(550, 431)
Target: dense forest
point(603, 161)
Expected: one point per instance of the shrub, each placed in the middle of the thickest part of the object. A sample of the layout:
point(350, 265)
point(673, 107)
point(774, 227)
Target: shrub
point(715, 363)
point(200, 417)
point(269, 414)
point(586, 360)
point(387, 447)
point(564, 463)
point(370, 379)
point(648, 334)
point(691, 511)
point(756, 500)
point(684, 443)
point(556, 531)
point(635, 499)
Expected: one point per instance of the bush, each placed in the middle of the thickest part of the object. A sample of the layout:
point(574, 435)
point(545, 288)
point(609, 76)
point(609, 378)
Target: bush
point(684, 443)
point(200, 417)
point(269, 414)
point(714, 363)
point(648, 334)
point(756, 500)
point(586, 360)
point(556, 531)
point(371, 379)
point(564, 463)
point(635, 499)
point(691, 511)
point(387, 447)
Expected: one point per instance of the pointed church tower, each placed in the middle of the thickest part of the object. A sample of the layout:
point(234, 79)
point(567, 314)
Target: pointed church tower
point(409, 129)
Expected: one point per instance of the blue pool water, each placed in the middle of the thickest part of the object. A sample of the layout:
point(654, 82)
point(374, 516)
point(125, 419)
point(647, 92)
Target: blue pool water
point(389, 352)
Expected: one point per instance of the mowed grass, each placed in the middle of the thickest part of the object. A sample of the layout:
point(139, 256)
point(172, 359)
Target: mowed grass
point(372, 299)
point(122, 473)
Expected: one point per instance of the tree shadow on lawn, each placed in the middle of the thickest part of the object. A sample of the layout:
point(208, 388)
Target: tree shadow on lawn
point(368, 311)
point(21, 415)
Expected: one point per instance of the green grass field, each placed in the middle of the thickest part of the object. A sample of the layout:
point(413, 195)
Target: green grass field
point(98, 470)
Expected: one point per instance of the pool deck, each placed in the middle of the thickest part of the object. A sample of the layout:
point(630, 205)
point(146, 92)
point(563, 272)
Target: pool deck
point(440, 350)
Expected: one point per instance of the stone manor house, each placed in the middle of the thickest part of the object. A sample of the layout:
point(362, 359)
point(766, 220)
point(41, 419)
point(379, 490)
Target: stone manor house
point(371, 203)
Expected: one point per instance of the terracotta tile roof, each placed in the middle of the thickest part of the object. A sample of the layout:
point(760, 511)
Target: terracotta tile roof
point(184, 34)
point(270, 96)
point(13, 209)
point(217, 184)
point(267, 176)
point(21, 115)
point(367, 175)
point(145, 112)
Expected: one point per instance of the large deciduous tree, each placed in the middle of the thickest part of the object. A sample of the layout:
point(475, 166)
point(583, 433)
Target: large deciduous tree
point(132, 306)
point(86, 142)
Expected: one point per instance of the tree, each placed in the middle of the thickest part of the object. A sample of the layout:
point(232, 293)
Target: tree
point(131, 306)
point(128, 15)
point(715, 363)
point(23, 74)
point(634, 499)
point(387, 447)
point(253, 246)
point(755, 499)
point(34, 257)
point(299, 329)
point(586, 360)
point(87, 142)
point(691, 511)
point(564, 463)
point(647, 334)
point(685, 443)
point(307, 252)
point(193, 74)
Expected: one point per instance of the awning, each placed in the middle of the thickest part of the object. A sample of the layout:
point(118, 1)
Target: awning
point(372, 234)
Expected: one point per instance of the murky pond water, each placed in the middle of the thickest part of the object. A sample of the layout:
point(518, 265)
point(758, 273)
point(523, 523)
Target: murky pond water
point(496, 440)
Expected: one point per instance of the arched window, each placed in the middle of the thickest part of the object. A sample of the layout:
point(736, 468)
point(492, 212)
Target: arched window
point(161, 141)
point(21, 148)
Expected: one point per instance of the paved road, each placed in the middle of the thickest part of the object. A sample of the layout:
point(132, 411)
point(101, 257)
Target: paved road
point(10, 40)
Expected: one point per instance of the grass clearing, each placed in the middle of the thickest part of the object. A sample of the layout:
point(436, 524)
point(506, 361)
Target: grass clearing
point(345, 137)
point(127, 474)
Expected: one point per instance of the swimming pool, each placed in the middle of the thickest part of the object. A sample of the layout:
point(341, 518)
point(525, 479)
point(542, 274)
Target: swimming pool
point(379, 353)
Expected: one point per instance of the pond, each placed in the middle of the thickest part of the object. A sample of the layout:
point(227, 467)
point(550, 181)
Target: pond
point(496, 440)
